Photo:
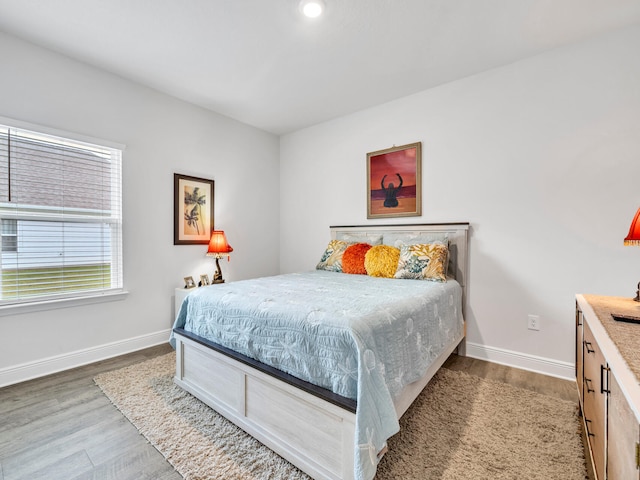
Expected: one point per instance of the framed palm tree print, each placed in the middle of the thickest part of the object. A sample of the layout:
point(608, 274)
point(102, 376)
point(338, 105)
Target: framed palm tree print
point(192, 210)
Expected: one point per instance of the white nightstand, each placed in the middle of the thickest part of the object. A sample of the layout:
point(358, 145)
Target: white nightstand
point(180, 295)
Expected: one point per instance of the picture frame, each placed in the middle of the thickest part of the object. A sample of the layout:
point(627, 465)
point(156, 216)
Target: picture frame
point(204, 280)
point(394, 182)
point(189, 282)
point(192, 210)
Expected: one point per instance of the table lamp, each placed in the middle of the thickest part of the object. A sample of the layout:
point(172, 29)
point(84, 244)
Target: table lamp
point(218, 246)
point(634, 239)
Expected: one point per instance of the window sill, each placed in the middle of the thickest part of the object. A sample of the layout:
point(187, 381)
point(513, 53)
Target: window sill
point(44, 305)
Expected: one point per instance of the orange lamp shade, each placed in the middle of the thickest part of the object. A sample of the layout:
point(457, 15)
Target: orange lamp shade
point(634, 231)
point(218, 244)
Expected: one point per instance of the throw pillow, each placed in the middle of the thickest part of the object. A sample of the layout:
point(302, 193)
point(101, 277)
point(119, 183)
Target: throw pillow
point(331, 259)
point(382, 261)
point(423, 262)
point(353, 258)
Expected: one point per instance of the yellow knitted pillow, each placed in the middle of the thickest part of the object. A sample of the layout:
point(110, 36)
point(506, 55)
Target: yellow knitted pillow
point(382, 261)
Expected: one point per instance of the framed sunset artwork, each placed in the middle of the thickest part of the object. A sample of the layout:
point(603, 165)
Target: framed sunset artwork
point(394, 181)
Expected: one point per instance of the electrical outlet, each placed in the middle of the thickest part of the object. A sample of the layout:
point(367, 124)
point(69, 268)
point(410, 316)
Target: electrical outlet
point(533, 322)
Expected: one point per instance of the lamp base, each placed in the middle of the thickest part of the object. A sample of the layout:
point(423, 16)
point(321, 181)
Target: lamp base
point(217, 276)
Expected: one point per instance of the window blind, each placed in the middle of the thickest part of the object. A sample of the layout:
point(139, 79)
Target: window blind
point(61, 214)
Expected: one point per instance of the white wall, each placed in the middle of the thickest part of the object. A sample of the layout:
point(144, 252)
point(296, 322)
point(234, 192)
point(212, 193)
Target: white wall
point(163, 135)
point(541, 156)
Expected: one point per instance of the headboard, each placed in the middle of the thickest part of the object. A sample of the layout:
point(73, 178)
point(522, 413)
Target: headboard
point(456, 234)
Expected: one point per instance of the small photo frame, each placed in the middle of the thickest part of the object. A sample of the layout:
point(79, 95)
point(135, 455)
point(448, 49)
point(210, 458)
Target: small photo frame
point(189, 282)
point(394, 182)
point(204, 280)
point(192, 210)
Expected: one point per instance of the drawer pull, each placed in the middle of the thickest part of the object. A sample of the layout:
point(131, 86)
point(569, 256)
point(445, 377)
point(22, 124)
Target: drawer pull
point(602, 370)
point(588, 345)
point(586, 423)
point(587, 382)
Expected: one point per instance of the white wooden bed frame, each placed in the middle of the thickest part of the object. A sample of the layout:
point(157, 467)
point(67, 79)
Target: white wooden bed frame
point(311, 432)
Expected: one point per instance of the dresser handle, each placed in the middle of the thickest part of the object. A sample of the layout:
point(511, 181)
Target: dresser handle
point(589, 434)
point(588, 345)
point(602, 370)
point(587, 382)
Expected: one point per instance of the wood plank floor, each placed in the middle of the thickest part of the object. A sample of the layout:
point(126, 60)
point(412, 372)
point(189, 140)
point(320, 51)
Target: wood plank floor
point(554, 387)
point(62, 427)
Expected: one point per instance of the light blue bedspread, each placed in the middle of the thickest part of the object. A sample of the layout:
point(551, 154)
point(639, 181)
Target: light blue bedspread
point(359, 336)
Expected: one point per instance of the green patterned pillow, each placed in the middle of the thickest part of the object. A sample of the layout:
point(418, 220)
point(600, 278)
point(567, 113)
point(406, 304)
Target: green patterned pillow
point(426, 261)
point(331, 260)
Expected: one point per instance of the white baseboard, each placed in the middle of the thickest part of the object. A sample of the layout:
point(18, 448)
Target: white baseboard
point(58, 363)
point(47, 366)
point(532, 363)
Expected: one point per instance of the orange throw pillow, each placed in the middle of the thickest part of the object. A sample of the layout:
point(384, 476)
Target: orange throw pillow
point(353, 258)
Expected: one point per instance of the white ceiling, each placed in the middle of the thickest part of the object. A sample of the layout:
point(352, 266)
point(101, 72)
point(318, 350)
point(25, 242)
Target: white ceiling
point(260, 62)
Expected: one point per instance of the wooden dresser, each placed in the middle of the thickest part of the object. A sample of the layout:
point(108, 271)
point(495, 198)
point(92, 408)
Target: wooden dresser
point(607, 373)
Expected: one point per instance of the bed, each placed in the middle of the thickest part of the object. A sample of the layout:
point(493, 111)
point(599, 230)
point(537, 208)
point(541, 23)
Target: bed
point(319, 366)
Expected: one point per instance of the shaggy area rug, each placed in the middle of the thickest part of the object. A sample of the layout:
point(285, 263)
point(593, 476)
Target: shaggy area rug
point(461, 427)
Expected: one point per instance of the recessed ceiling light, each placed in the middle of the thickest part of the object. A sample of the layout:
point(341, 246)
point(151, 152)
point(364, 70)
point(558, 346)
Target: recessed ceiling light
point(312, 8)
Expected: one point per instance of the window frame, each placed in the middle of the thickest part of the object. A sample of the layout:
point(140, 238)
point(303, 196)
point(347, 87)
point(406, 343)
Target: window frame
point(69, 299)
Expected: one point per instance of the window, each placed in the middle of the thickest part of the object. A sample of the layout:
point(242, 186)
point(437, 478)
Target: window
point(61, 222)
point(9, 235)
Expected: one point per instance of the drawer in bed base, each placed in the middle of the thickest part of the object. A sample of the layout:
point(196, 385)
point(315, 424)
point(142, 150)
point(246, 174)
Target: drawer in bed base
point(311, 433)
